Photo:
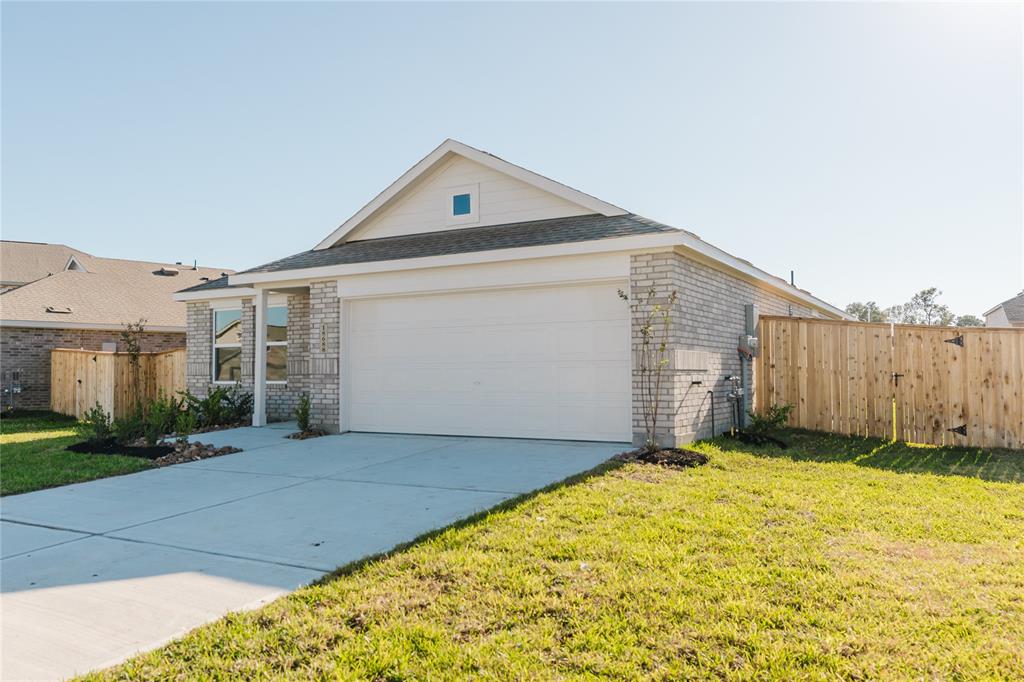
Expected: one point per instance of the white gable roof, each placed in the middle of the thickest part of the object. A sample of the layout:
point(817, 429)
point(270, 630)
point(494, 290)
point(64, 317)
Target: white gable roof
point(445, 159)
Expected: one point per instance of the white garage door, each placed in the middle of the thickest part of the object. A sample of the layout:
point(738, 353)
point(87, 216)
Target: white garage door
point(525, 363)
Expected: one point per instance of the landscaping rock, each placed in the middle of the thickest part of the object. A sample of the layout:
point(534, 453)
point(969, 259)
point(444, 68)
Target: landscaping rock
point(193, 452)
point(310, 433)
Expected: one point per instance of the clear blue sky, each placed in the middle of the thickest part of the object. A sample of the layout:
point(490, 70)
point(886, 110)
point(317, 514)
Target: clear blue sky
point(874, 148)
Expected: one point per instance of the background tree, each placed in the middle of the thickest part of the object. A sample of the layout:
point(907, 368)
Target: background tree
point(867, 312)
point(969, 321)
point(923, 308)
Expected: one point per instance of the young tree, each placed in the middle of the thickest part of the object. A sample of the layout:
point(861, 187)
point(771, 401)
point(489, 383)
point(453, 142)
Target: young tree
point(653, 360)
point(131, 337)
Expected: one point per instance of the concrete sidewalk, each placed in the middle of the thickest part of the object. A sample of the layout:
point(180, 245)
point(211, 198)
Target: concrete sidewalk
point(94, 572)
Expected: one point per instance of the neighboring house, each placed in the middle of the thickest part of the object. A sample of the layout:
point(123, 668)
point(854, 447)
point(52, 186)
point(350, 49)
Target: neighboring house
point(24, 262)
point(1009, 313)
point(70, 299)
point(474, 297)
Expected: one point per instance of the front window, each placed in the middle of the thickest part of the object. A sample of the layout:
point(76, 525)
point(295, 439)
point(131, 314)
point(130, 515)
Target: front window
point(277, 343)
point(227, 346)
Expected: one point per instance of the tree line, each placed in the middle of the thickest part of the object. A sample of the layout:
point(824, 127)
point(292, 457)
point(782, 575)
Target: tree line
point(923, 308)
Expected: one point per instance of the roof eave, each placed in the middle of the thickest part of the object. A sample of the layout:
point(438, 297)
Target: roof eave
point(688, 243)
point(212, 294)
point(71, 324)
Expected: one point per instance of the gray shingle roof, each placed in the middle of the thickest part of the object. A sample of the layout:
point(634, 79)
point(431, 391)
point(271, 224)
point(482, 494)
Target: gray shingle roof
point(1014, 308)
point(469, 240)
point(218, 283)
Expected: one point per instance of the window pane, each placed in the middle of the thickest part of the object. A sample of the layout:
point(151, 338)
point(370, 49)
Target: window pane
point(227, 326)
point(227, 364)
point(277, 363)
point(277, 324)
point(460, 204)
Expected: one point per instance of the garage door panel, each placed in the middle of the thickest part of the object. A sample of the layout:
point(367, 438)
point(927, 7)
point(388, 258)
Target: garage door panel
point(540, 363)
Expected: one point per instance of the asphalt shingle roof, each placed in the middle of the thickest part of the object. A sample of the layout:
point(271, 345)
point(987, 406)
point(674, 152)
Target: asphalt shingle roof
point(111, 292)
point(22, 262)
point(471, 239)
point(1014, 308)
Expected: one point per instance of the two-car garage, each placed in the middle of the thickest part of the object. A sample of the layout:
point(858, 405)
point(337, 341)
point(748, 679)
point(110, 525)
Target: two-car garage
point(532, 362)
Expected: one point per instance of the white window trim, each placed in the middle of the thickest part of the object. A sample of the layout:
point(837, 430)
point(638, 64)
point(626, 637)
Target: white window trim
point(215, 345)
point(279, 343)
point(473, 190)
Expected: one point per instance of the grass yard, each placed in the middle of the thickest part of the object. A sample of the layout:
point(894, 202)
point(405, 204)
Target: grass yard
point(32, 455)
point(837, 558)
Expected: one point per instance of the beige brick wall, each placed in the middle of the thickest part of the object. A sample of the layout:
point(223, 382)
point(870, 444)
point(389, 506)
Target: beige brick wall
point(708, 317)
point(324, 345)
point(310, 370)
point(27, 350)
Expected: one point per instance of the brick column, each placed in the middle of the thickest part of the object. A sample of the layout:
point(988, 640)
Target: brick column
point(322, 380)
point(199, 348)
point(661, 273)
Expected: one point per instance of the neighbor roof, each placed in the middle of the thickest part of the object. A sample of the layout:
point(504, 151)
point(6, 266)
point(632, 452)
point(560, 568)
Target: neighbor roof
point(1013, 308)
point(22, 262)
point(110, 294)
point(471, 239)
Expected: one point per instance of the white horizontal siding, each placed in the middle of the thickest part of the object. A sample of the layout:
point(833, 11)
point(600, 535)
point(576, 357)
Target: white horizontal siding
point(503, 199)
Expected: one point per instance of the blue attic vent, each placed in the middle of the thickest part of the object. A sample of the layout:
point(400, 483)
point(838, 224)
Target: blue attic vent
point(460, 204)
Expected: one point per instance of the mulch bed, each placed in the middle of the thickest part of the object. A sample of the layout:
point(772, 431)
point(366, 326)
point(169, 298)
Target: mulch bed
point(676, 458)
point(161, 455)
point(112, 447)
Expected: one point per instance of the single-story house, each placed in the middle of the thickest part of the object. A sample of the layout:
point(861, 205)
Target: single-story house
point(475, 297)
point(66, 298)
point(1009, 313)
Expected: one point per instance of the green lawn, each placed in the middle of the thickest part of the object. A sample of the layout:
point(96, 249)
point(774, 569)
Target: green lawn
point(32, 455)
point(834, 559)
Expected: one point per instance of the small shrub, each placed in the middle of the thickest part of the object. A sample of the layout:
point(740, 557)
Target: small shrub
point(184, 425)
point(220, 407)
point(773, 419)
point(161, 416)
point(131, 427)
point(238, 404)
point(302, 413)
point(95, 425)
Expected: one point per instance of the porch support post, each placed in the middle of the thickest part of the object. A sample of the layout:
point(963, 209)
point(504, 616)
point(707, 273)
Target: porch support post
point(259, 387)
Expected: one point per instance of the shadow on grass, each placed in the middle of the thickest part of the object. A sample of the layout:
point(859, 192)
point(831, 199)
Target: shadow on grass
point(512, 503)
point(989, 464)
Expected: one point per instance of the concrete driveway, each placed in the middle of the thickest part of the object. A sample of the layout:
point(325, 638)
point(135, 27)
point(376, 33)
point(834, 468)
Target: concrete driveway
point(94, 572)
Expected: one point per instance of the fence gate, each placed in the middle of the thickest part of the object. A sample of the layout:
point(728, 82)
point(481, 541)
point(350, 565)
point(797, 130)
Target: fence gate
point(937, 385)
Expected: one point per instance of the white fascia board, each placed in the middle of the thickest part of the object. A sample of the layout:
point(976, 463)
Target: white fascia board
point(992, 310)
point(721, 260)
point(455, 147)
point(56, 324)
point(632, 243)
point(213, 294)
point(688, 243)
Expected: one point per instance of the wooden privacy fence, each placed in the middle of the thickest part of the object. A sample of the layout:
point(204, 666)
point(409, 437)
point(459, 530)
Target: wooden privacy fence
point(81, 378)
point(937, 385)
